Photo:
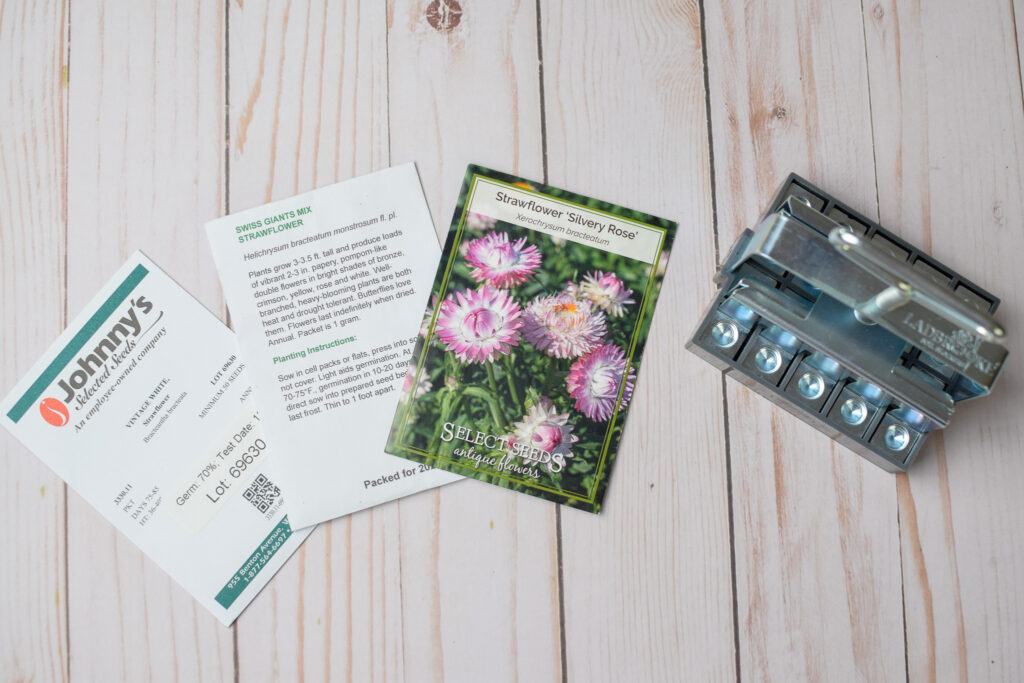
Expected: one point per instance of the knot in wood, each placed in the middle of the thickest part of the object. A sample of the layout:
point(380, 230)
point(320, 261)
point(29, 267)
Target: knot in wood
point(444, 15)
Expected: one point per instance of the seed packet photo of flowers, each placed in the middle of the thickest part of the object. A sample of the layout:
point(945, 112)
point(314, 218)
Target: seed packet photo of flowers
point(529, 351)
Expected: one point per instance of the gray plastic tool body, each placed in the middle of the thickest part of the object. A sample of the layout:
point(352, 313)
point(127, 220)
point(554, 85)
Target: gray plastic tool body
point(850, 328)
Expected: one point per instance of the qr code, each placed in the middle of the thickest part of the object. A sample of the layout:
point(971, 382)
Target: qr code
point(262, 493)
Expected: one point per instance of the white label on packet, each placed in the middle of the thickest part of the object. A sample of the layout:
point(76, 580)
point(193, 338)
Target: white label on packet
point(143, 380)
point(326, 291)
point(223, 470)
point(567, 220)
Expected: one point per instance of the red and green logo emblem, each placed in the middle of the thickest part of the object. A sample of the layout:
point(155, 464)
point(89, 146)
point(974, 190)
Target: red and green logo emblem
point(54, 411)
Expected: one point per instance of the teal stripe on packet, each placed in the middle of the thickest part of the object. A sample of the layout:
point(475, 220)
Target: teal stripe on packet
point(68, 353)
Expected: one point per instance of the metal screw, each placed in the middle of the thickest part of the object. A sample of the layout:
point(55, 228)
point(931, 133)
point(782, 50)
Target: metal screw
point(767, 359)
point(896, 437)
point(853, 411)
point(810, 385)
point(724, 334)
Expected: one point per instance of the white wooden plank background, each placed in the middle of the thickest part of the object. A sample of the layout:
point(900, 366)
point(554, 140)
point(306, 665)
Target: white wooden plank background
point(33, 209)
point(816, 531)
point(737, 543)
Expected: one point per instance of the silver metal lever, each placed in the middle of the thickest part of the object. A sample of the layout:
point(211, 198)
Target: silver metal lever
point(906, 285)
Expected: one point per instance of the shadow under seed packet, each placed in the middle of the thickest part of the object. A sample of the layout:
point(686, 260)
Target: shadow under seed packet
point(528, 354)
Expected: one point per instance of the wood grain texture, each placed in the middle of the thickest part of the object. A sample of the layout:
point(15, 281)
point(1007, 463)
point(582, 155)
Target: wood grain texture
point(647, 584)
point(949, 130)
point(736, 542)
point(308, 107)
point(480, 581)
point(816, 538)
point(33, 208)
point(383, 576)
point(145, 169)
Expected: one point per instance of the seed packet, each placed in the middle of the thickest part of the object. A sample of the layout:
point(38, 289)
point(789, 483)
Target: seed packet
point(324, 290)
point(144, 408)
point(528, 355)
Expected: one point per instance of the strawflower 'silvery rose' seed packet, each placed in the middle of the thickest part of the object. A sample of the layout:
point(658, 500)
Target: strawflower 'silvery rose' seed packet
point(528, 355)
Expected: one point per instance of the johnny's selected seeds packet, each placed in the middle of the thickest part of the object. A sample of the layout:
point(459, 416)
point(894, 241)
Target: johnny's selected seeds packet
point(528, 354)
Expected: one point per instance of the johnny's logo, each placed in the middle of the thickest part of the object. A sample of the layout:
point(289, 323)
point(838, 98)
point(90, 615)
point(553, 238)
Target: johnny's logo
point(54, 411)
point(127, 327)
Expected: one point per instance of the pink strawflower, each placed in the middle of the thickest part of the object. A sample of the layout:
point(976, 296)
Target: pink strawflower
point(574, 290)
point(544, 428)
point(479, 325)
point(478, 221)
point(422, 387)
point(594, 381)
point(425, 325)
point(662, 265)
point(563, 326)
point(608, 292)
point(498, 262)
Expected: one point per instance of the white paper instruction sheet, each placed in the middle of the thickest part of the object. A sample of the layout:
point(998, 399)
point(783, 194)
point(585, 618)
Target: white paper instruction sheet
point(142, 406)
point(326, 292)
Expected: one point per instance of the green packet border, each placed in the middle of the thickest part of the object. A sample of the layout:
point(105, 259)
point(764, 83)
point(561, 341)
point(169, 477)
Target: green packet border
point(587, 500)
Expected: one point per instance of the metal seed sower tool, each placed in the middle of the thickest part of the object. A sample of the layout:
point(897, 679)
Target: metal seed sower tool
point(850, 328)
